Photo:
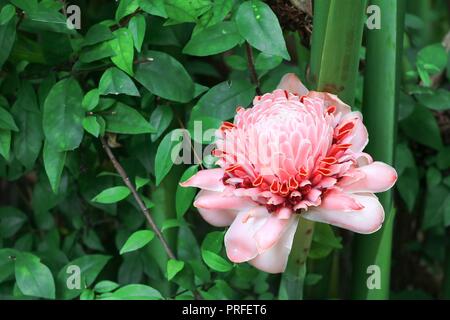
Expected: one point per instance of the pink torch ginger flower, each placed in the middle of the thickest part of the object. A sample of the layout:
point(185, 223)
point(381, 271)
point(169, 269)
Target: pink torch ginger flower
point(295, 152)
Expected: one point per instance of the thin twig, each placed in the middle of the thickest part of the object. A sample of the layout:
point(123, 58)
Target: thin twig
point(251, 68)
point(120, 170)
point(199, 160)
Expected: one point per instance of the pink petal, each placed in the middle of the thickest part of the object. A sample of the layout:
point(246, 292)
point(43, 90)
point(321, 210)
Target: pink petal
point(210, 179)
point(375, 177)
point(269, 234)
point(239, 241)
point(367, 220)
point(336, 200)
point(291, 83)
point(216, 214)
point(220, 200)
point(275, 259)
point(359, 136)
point(331, 100)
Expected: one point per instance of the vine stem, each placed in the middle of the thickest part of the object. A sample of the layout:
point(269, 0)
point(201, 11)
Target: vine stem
point(292, 280)
point(251, 68)
point(121, 171)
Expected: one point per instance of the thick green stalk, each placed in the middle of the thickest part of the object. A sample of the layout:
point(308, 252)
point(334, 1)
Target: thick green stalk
point(381, 89)
point(335, 49)
point(292, 281)
point(337, 35)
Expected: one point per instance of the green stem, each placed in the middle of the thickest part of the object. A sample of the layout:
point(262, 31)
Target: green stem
point(380, 100)
point(292, 281)
point(337, 37)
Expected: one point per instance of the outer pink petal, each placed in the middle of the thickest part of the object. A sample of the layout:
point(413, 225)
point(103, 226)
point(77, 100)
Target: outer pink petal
point(359, 136)
point(275, 259)
point(291, 83)
point(210, 179)
point(239, 239)
point(375, 177)
point(272, 230)
point(331, 100)
point(367, 220)
point(221, 200)
point(336, 200)
point(214, 212)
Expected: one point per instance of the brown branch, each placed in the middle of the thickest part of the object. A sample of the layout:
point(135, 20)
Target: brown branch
point(121, 171)
point(199, 160)
point(251, 68)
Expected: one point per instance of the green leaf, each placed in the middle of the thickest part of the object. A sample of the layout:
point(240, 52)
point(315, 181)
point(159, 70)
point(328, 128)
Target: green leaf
point(221, 101)
point(7, 263)
point(266, 62)
point(169, 147)
point(432, 58)
point(125, 8)
point(408, 186)
point(91, 100)
point(186, 11)
point(124, 50)
point(236, 62)
point(140, 182)
point(63, 115)
point(112, 195)
point(443, 158)
point(220, 9)
point(160, 119)
point(87, 294)
point(105, 286)
point(91, 125)
point(435, 205)
point(115, 81)
point(213, 242)
point(89, 267)
point(96, 34)
point(434, 177)
point(97, 52)
point(165, 77)
point(173, 268)
point(422, 127)
point(324, 241)
point(137, 27)
point(26, 5)
point(258, 24)
point(11, 220)
point(6, 121)
point(438, 100)
point(7, 38)
point(54, 161)
point(216, 262)
point(28, 141)
point(7, 13)
point(154, 7)
point(212, 40)
point(137, 240)
point(202, 128)
point(5, 143)
point(184, 196)
point(136, 292)
point(34, 278)
point(124, 119)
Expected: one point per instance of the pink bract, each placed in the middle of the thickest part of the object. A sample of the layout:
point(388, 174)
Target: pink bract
point(295, 152)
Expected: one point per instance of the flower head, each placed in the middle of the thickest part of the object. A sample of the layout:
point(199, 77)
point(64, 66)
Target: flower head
point(295, 152)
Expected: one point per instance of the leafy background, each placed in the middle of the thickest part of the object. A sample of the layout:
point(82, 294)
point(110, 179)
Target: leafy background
point(136, 71)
